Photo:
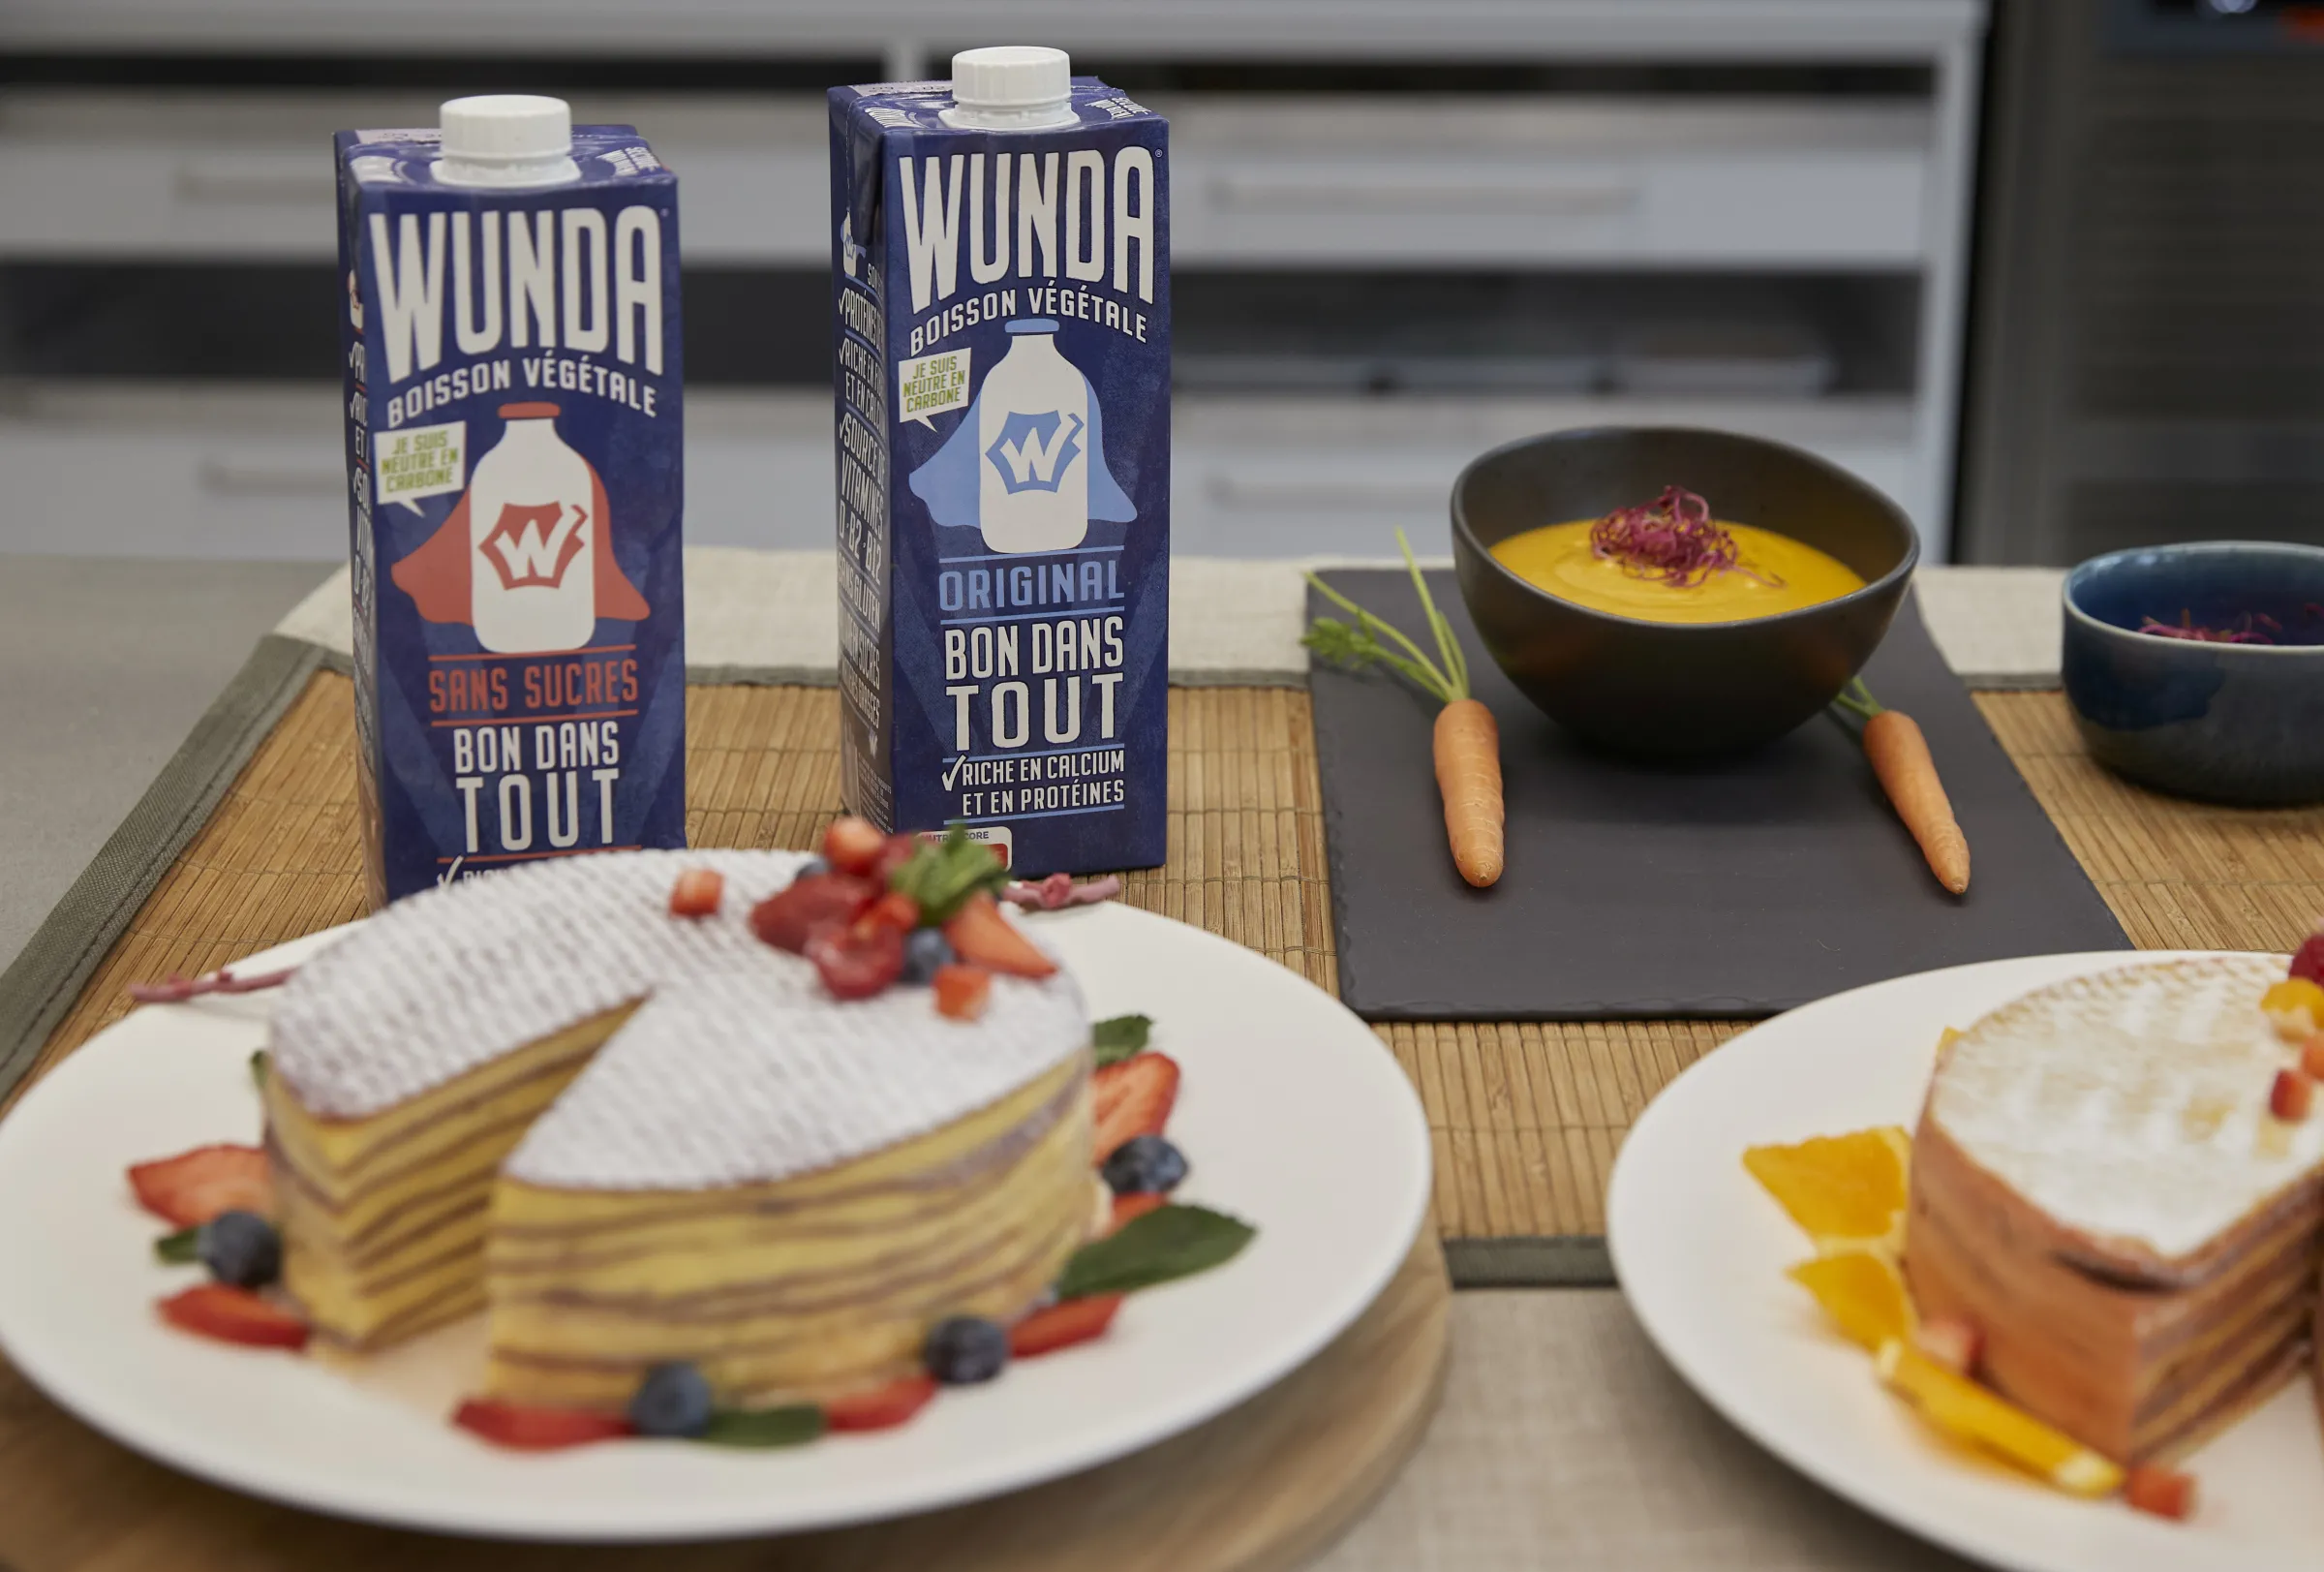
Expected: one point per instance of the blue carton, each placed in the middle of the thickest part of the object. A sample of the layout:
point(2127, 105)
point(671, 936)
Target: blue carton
point(514, 413)
point(1002, 374)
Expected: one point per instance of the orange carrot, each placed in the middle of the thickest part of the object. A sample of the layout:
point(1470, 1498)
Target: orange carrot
point(1467, 745)
point(1900, 757)
point(1468, 775)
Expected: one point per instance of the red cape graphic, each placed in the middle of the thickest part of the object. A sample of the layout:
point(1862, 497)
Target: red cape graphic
point(437, 575)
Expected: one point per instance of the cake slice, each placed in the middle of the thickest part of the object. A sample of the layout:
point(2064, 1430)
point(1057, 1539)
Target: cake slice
point(2099, 1186)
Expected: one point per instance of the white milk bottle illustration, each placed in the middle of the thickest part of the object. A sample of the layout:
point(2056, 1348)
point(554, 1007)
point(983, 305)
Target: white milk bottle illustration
point(531, 502)
point(1033, 433)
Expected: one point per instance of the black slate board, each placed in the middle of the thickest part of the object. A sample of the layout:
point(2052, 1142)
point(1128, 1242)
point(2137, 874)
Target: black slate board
point(1738, 889)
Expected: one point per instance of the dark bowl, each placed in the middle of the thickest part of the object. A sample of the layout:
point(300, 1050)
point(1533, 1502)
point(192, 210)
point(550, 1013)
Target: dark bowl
point(2227, 722)
point(1676, 691)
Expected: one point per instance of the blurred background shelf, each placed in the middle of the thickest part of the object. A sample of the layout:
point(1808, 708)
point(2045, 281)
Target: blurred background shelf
point(1401, 233)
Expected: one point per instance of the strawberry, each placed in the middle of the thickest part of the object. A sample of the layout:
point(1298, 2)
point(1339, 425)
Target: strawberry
point(785, 918)
point(537, 1430)
point(2308, 961)
point(1062, 1325)
point(1132, 1096)
point(852, 845)
point(234, 1316)
point(894, 909)
point(194, 1186)
point(880, 1407)
point(2288, 1099)
point(2312, 1058)
point(856, 962)
point(2166, 1493)
point(1129, 1208)
point(962, 991)
point(894, 854)
point(697, 892)
point(980, 933)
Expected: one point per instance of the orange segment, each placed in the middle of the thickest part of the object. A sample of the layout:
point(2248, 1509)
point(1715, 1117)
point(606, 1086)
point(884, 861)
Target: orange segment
point(1842, 1189)
point(1962, 1408)
point(1862, 1291)
point(2296, 1008)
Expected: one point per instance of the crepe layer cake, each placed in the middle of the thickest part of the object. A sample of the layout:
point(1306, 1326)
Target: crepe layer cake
point(637, 1137)
point(2099, 1184)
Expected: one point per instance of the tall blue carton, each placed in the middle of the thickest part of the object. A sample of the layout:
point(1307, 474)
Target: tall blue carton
point(514, 449)
point(1001, 368)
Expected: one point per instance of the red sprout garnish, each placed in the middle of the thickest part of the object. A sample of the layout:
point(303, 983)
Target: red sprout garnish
point(1673, 538)
point(1060, 890)
point(177, 990)
point(2253, 628)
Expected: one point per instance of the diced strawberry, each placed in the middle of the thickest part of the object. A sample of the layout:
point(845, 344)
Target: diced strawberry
point(880, 1407)
point(1951, 1342)
point(856, 962)
point(894, 854)
point(852, 845)
point(234, 1316)
point(194, 1186)
point(2167, 1492)
point(2312, 1058)
point(980, 933)
point(962, 991)
point(2290, 1097)
point(2308, 961)
point(537, 1430)
point(1132, 1096)
point(697, 892)
point(1062, 1325)
point(1129, 1208)
point(785, 918)
point(894, 909)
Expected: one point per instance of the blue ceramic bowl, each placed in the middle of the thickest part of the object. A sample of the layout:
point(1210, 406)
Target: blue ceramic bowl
point(2228, 722)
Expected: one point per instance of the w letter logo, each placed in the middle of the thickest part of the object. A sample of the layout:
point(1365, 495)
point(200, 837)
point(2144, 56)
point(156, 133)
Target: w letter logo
point(533, 546)
point(1033, 452)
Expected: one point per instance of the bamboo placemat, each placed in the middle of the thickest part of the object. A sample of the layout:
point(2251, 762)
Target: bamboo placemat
point(1525, 1118)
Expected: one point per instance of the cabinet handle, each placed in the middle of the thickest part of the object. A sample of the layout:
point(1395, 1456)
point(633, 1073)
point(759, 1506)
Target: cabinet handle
point(1380, 192)
point(272, 181)
point(249, 478)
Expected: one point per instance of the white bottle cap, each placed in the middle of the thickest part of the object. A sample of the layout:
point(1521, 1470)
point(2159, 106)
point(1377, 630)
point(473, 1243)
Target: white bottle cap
point(507, 139)
point(1010, 87)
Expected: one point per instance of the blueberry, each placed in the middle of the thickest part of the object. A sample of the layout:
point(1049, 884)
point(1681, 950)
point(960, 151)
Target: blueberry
point(964, 1349)
point(1144, 1165)
point(241, 1249)
point(924, 950)
point(810, 868)
point(673, 1400)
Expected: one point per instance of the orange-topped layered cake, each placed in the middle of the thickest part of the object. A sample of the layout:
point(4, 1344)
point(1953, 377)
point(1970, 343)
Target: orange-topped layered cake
point(2101, 1186)
point(640, 1137)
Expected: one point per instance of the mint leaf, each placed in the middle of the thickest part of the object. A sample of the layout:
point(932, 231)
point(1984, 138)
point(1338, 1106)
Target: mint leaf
point(178, 1248)
point(1168, 1243)
point(1119, 1036)
point(790, 1425)
point(257, 1068)
point(942, 874)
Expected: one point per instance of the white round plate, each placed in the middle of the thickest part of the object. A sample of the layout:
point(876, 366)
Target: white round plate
point(1291, 1113)
point(1701, 1250)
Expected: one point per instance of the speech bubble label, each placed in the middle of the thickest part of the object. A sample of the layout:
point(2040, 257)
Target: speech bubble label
point(420, 461)
point(931, 384)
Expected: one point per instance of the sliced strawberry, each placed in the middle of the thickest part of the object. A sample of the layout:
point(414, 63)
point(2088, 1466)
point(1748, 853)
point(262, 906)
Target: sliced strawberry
point(2308, 961)
point(2166, 1493)
point(962, 991)
point(1132, 1096)
point(194, 1186)
point(697, 893)
point(2312, 1058)
point(894, 909)
point(234, 1316)
point(2291, 1096)
point(880, 1407)
point(1129, 1208)
point(785, 918)
point(894, 854)
point(853, 846)
point(1062, 1325)
point(980, 933)
point(537, 1430)
point(856, 962)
